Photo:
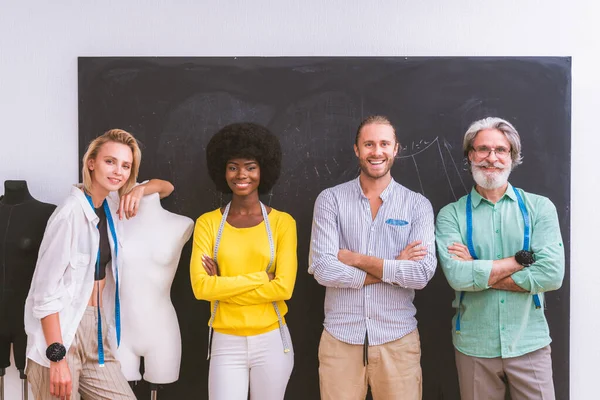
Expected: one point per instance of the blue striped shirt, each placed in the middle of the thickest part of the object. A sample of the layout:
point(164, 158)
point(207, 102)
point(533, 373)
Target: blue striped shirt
point(343, 220)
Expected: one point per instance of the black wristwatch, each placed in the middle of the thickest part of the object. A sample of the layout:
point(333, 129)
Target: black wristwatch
point(524, 257)
point(56, 352)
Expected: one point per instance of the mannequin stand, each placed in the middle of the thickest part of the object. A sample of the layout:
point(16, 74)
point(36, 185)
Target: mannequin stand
point(2, 372)
point(25, 386)
point(153, 389)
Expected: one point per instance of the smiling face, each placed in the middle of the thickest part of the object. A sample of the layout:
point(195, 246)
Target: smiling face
point(111, 168)
point(376, 148)
point(491, 169)
point(243, 176)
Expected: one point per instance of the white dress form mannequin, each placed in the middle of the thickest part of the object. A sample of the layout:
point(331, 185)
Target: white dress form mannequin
point(152, 245)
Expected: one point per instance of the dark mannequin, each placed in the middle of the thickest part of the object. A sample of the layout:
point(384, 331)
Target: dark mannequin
point(22, 224)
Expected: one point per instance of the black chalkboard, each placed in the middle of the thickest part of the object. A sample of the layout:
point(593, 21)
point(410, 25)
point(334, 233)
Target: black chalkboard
point(174, 105)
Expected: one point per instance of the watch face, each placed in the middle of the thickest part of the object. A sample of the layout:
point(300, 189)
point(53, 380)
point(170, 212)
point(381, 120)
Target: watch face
point(56, 352)
point(525, 258)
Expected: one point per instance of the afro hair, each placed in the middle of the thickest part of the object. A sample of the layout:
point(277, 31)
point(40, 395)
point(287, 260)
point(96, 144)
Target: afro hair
point(244, 140)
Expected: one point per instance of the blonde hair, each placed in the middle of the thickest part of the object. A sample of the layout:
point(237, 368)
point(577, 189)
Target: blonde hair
point(117, 136)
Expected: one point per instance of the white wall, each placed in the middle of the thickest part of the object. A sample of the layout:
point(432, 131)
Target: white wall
point(40, 42)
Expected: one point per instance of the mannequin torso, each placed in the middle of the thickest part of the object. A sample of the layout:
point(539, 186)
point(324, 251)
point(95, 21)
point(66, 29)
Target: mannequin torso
point(152, 245)
point(22, 223)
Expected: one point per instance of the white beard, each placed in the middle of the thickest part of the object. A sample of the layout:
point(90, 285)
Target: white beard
point(489, 180)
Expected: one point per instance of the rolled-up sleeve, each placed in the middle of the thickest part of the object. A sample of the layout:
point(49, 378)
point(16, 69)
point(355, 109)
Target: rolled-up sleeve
point(470, 276)
point(548, 271)
point(415, 274)
point(47, 286)
point(325, 245)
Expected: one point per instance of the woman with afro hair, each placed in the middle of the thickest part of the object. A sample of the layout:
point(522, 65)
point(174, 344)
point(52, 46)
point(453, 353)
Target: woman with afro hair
point(244, 262)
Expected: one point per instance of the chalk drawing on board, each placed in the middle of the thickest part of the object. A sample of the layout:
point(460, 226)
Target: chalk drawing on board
point(448, 146)
point(420, 147)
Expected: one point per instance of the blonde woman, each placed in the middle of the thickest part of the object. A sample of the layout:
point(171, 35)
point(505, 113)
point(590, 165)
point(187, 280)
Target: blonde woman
point(72, 310)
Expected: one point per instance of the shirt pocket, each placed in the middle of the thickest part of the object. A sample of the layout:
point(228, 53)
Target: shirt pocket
point(80, 260)
point(396, 234)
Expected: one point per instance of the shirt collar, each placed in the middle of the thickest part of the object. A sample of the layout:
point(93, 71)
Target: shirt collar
point(476, 198)
point(85, 204)
point(386, 192)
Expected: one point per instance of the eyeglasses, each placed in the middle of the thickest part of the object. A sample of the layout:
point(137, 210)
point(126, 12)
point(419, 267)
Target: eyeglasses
point(484, 152)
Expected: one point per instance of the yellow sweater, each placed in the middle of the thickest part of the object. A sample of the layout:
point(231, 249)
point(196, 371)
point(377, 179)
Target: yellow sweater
point(243, 288)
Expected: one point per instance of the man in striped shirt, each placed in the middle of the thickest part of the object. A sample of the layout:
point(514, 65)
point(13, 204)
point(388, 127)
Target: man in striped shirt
point(500, 249)
point(371, 247)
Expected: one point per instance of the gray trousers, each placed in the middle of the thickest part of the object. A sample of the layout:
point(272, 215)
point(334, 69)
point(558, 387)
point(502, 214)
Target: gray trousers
point(88, 378)
point(527, 377)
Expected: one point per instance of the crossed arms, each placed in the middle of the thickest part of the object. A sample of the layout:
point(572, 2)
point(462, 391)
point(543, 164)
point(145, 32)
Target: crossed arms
point(249, 288)
point(465, 274)
point(331, 266)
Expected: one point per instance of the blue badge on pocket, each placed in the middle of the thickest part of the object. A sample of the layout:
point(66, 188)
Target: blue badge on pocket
point(396, 222)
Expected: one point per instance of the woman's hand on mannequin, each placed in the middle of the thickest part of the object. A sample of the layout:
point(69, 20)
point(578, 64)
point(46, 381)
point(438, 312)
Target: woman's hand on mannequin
point(60, 380)
point(210, 266)
point(130, 202)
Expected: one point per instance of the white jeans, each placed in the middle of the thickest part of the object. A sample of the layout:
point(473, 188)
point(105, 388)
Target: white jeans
point(259, 362)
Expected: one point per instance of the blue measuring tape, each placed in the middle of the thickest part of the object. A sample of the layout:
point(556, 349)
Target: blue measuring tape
point(526, 239)
point(113, 233)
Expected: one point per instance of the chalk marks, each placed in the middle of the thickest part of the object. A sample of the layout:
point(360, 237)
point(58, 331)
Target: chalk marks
point(421, 146)
point(446, 171)
point(448, 147)
point(418, 175)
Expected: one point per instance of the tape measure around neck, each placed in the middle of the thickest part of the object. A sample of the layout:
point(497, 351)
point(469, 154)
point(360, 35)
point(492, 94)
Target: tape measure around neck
point(265, 216)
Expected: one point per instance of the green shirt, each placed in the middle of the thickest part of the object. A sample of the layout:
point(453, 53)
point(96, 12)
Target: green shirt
point(499, 323)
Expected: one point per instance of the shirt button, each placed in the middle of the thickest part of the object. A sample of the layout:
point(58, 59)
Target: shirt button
point(372, 228)
point(502, 301)
point(368, 318)
point(368, 296)
point(370, 252)
point(497, 230)
point(502, 328)
point(498, 255)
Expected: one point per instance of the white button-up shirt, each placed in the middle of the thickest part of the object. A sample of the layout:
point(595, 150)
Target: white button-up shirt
point(64, 274)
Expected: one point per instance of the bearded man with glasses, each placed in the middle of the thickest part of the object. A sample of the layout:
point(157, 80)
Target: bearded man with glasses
point(500, 249)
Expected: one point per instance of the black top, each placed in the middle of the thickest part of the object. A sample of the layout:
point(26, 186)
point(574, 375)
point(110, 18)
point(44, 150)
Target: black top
point(105, 255)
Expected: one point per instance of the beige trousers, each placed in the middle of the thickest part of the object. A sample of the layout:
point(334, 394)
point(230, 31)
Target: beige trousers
point(527, 377)
point(393, 371)
point(89, 379)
